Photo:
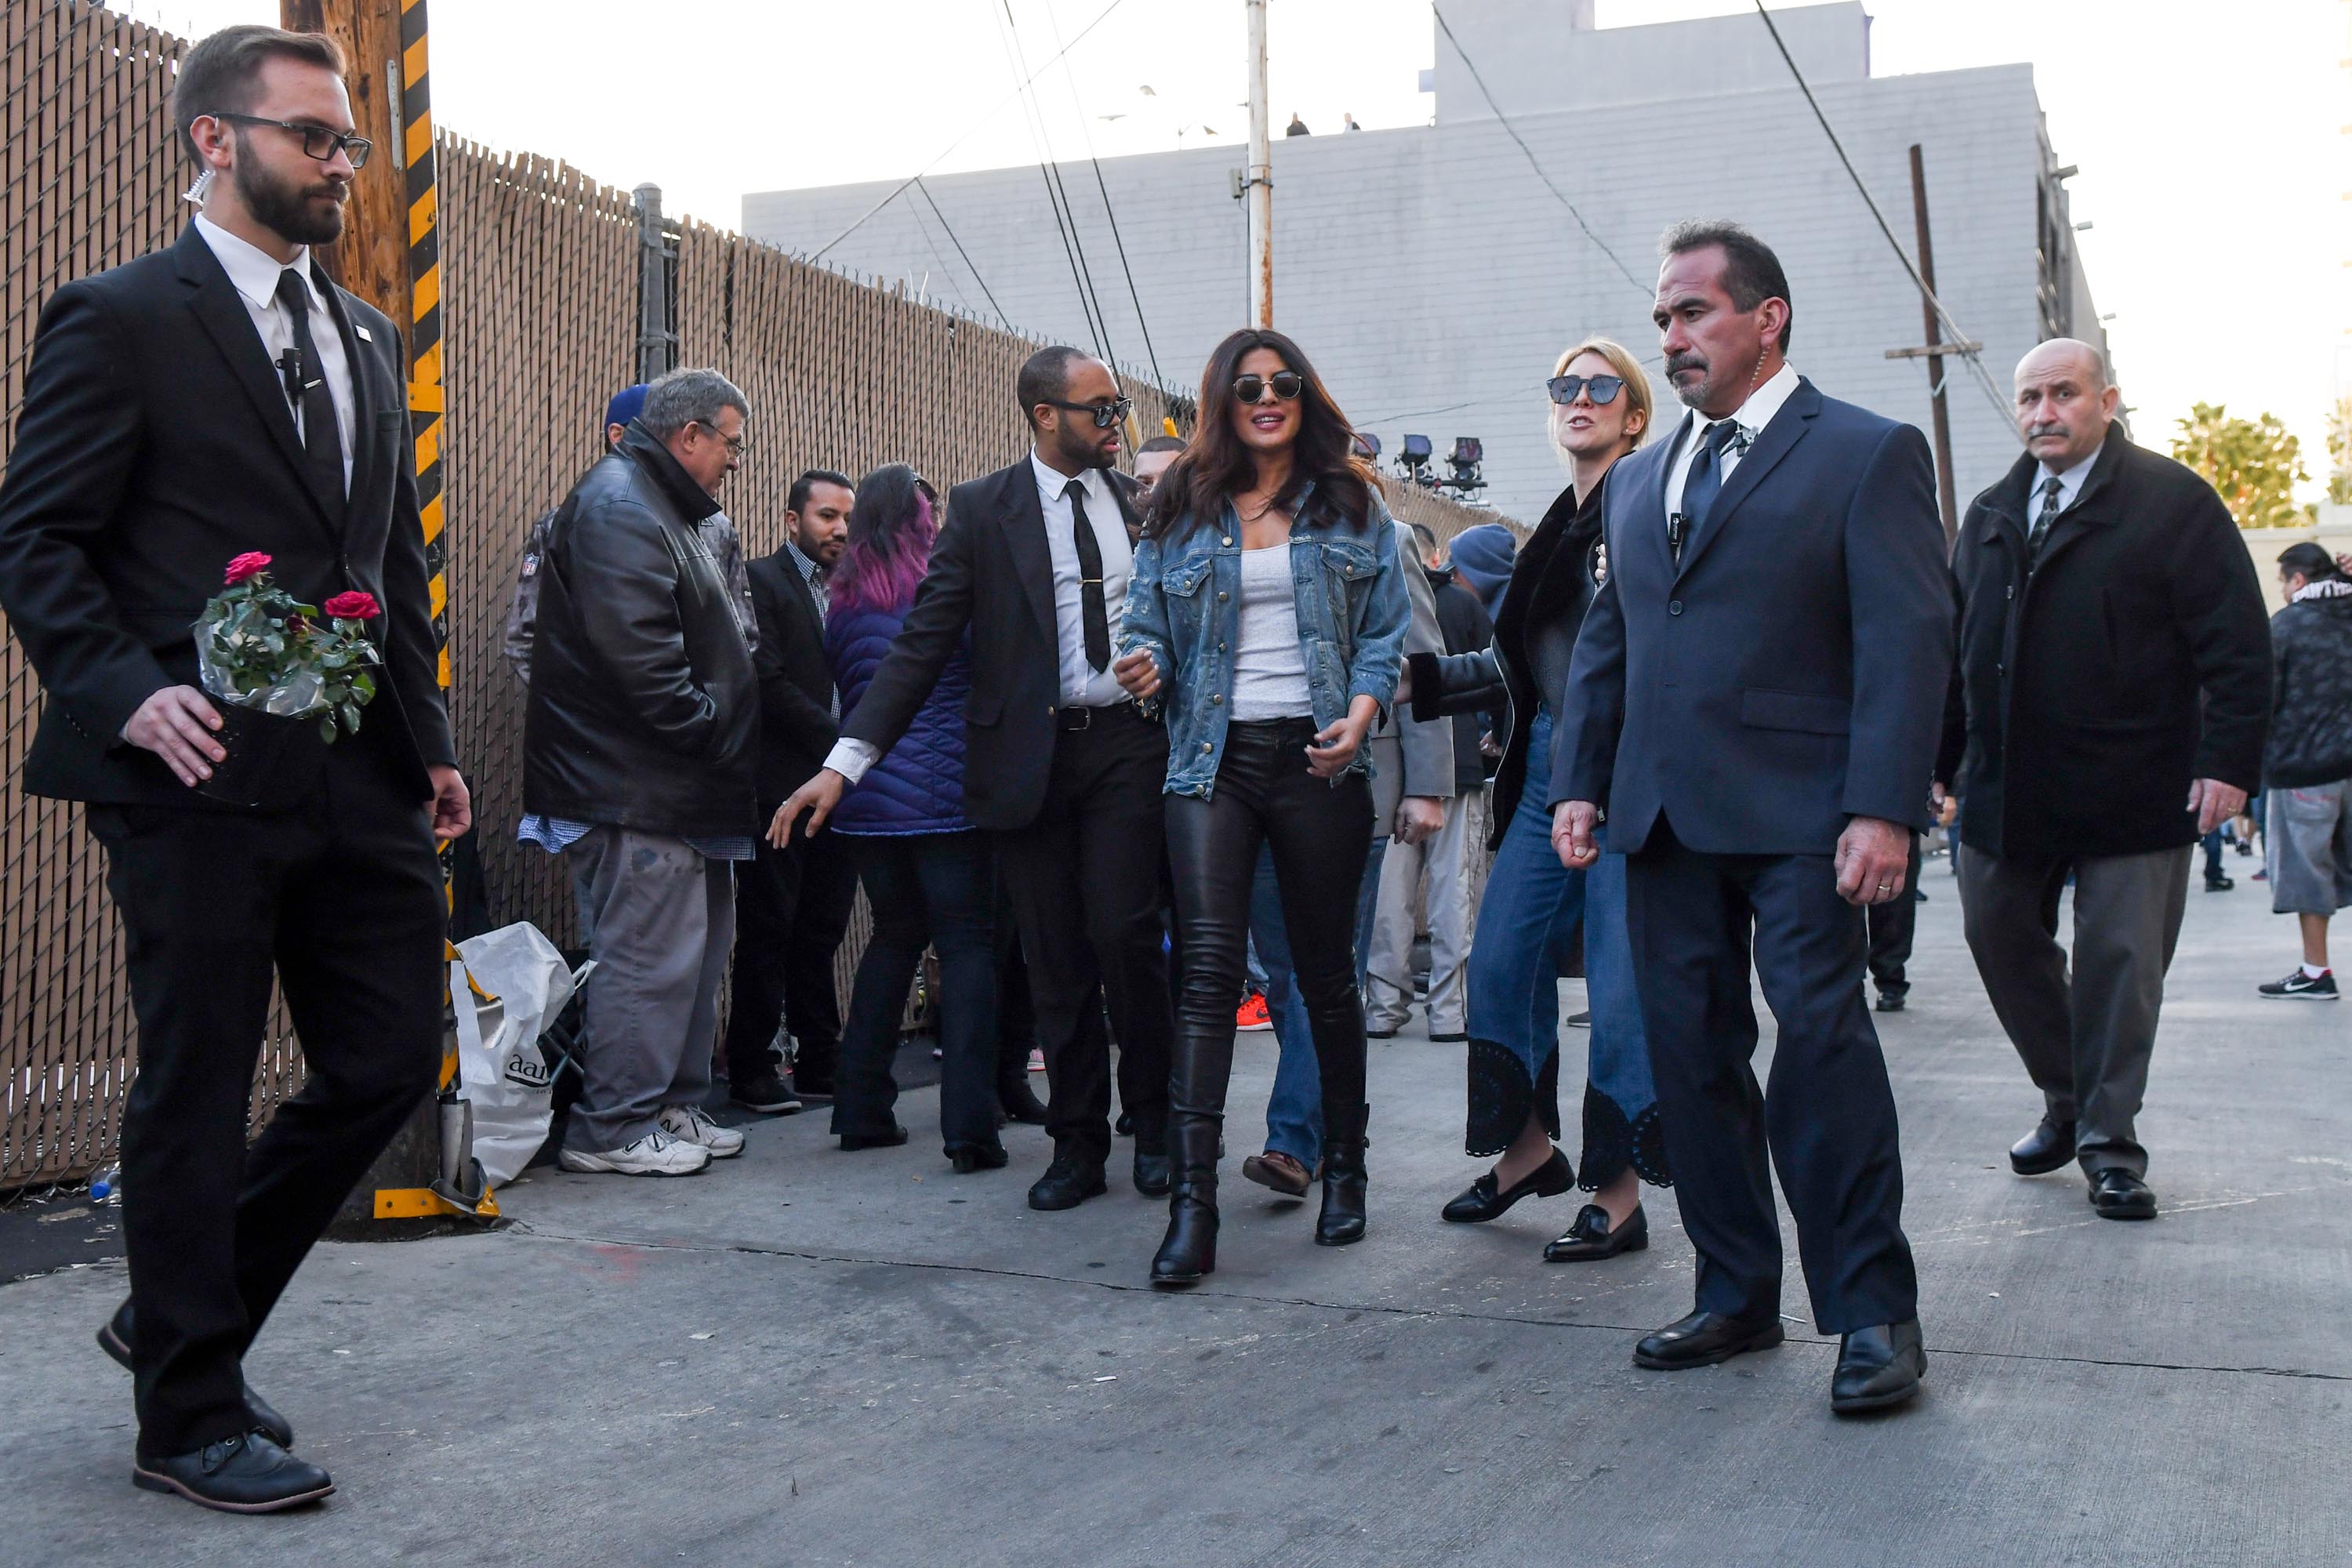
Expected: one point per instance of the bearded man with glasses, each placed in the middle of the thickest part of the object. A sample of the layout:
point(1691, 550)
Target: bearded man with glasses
point(1031, 569)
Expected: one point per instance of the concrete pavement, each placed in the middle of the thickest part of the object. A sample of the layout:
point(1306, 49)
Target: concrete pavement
point(811, 1357)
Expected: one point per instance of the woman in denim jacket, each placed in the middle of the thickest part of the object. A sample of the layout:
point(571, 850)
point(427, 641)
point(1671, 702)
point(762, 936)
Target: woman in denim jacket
point(1267, 616)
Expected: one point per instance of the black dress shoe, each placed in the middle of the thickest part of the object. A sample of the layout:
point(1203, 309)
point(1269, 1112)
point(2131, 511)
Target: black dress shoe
point(248, 1473)
point(1877, 1367)
point(1590, 1238)
point(766, 1093)
point(851, 1141)
point(969, 1157)
point(2219, 884)
point(1021, 1104)
point(1066, 1184)
point(2049, 1146)
point(1125, 1126)
point(1705, 1338)
point(115, 1338)
point(1151, 1172)
point(2116, 1193)
point(1481, 1201)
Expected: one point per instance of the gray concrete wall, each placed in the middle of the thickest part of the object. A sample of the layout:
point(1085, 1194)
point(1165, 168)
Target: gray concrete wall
point(1434, 280)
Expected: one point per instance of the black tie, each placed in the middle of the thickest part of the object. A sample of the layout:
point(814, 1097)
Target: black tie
point(322, 443)
point(1091, 607)
point(2050, 509)
point(1703, 482)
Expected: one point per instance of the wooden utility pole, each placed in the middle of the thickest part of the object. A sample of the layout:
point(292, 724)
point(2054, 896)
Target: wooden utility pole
point(1946, 496)
point(1259, 184)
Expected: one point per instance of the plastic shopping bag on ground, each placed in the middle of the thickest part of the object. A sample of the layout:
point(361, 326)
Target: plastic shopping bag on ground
point(521, 983)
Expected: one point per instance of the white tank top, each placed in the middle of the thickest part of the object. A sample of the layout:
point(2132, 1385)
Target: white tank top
point(1270, 674)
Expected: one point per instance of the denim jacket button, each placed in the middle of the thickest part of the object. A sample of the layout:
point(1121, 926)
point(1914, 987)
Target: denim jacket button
point(1221, 598)
point(1216, 699)
point(1224, 541)
point(1204, 745)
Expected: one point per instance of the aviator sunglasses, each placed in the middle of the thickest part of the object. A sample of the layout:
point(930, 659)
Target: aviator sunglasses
point(1604, 388)
point(1286, 384)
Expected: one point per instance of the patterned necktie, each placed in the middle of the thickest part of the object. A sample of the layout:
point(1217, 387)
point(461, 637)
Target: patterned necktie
point(322, 443)
point(1703, 484)
point(1092, 609)
point(2050, 509)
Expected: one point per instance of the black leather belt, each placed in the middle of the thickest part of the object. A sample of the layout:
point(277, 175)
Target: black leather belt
point(1077, 717)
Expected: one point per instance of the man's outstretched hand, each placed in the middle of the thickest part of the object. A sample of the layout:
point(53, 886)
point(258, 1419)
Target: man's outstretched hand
point(817, 797)
point(1874, 857)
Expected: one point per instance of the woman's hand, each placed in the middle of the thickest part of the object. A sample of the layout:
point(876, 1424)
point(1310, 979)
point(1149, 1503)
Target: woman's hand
point(1138, 671)
point(1335, 746)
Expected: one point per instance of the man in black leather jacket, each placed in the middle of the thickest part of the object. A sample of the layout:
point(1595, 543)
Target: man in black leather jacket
point(639, 756)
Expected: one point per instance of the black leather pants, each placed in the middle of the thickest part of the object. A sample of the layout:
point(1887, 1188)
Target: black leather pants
point(1320, 832)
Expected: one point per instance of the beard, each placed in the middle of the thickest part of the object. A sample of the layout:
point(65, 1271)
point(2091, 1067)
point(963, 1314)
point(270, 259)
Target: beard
point(1077, 444)
point(289, 209)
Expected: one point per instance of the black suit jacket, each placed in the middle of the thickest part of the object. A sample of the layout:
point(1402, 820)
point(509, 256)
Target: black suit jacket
point(1787, 674)
point(155, 444)
point(991, 573)
point(796, 723)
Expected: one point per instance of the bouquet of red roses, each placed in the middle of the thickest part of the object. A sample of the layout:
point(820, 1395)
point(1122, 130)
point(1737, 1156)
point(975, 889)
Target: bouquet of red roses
point(258, 647)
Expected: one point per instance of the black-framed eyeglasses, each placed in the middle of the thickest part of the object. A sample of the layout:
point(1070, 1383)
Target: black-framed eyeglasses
point(1105, 413)
point(738, 445)
point(1603, 389)
point(1286, 384)
point(318, 141)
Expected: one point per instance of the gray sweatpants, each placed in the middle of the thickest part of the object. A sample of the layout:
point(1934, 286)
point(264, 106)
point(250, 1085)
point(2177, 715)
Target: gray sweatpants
point(663, 918)
point(2086, 1042)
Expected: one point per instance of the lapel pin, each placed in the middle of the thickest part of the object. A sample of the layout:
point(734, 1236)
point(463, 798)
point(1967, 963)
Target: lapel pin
point(365, 336)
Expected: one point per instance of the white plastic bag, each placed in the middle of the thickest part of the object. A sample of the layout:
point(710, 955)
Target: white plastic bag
point(504, 1073)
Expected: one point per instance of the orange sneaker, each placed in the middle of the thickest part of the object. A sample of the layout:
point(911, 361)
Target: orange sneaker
point(1253, 1019)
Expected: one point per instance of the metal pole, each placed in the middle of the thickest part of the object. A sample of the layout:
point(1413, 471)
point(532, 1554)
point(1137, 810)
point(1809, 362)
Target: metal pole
point(1260, 180)
point(1946, 494)
point(656, 342)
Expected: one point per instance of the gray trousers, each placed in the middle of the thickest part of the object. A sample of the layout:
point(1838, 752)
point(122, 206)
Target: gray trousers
point(2086, 1043)
point(663, 918)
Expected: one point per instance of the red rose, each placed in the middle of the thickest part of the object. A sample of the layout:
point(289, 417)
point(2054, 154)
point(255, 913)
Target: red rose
point(353, 605)
point(252, 563)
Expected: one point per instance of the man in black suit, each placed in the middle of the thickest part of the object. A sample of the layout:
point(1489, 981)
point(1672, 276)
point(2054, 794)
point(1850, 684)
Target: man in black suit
point(784, 964)
point(1755, 699)
point(1064, 771)
point(158, 440)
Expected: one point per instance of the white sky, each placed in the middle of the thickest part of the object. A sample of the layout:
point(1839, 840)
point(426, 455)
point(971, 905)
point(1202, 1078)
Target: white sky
point(2212, 165)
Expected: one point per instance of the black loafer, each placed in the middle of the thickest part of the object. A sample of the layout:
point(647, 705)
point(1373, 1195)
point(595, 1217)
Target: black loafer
point(1066, 1185)
point(1151, 1172)
point(851, 1141)
point(1703, 1339)
point(1877, 1368)
point(2116, 1193)
point(2048, 1147)
point(248, 1473)
point(115, 1338)
point(1481, 1201)
point(1590, 1238)
point(969, 1157)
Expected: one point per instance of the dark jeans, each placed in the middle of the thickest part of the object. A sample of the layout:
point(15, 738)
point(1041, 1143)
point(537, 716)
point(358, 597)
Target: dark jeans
point(342, 899)
point(937, 889)
point(1318, 832)
point(1084, 880)
point(791, 908)
point(1894, 926)
point(1828, 1121)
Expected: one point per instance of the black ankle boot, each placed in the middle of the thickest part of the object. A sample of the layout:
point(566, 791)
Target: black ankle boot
point(1342, 1219)
point(1190, 1251)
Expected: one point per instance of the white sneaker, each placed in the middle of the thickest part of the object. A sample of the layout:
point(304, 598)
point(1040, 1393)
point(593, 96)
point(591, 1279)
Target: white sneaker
point(654, 1154)
point(692, 1125)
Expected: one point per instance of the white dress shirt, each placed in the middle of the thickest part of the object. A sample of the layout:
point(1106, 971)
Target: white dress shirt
point(2070, 485)
point(1751, 417)
point(253, 272)
point(1082, 686)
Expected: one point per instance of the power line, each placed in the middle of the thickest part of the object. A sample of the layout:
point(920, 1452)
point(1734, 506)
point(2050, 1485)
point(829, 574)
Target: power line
point(1071, 73)
point(925, 191)
point(900, 188)
point(1064, 222)
point(1646, 290)
point(1951, 327)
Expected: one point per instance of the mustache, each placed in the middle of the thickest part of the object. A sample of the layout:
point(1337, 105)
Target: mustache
point(2046, 427)
point(1677, 364)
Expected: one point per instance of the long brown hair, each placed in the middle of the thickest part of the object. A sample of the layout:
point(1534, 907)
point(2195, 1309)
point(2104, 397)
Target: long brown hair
point(1216, 466)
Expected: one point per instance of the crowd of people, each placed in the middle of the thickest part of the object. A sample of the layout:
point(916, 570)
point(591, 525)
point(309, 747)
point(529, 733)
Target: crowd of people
point(1145, 760)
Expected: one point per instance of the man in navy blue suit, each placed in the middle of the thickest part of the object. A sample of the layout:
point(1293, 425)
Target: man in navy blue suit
point(1755, 704)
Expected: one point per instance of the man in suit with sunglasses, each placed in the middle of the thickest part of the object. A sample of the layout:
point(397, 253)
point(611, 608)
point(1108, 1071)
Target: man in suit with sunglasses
point(1756, 700)
point(220, 397)
point(1060, 766)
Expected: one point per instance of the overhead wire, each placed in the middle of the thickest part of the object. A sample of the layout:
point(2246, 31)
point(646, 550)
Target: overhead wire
point(965, 136)
point(1064, 222)
point(925, 191)
point(1954, 337)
